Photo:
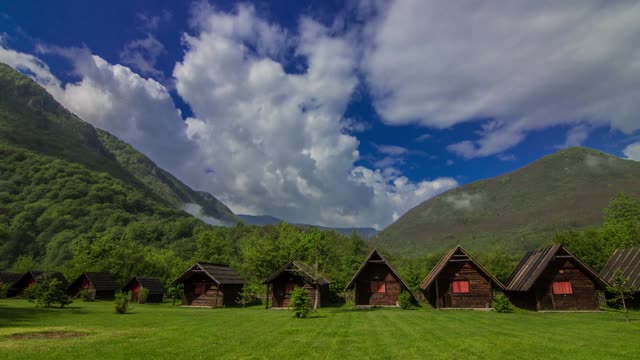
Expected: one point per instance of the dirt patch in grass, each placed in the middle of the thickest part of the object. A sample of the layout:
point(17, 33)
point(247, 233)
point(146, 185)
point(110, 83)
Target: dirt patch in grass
point(47, 335)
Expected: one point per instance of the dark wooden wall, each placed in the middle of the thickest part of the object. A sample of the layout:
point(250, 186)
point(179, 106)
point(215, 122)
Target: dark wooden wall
point(279, 285)
point(213, 296)
point(373, 271)
point(480, 293)
point(541, 296)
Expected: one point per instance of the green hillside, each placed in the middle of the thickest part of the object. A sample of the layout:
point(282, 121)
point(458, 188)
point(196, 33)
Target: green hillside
point(31, 119)
point(519, 210)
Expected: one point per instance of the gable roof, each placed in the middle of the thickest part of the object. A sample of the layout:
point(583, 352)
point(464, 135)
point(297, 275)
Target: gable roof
point(627, 260)
point(153, 284)
point(457, 254)
point(37, 273)
point(536, 261)
point(101, 281)
point(376, 257)
point(300, 268)
point(9, 277)
point(221, 274)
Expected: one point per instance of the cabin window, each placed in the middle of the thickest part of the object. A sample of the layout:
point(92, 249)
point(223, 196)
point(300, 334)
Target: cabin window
point(289, 288)
point(460, 286)
point(200, 289)
point(562, 288)
point(378, 286)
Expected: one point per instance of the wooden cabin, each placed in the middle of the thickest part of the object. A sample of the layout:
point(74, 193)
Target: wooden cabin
point(9, 279)
point(554, 279)
point(459, 281)
point(627, 261)
point(31, 278)
point(376, 283)
point(153, 284)
point(296, 274)
point(213, 285)
point(100, 285)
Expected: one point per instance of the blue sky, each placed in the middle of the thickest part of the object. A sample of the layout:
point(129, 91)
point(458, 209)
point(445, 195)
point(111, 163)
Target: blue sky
point(337, 113)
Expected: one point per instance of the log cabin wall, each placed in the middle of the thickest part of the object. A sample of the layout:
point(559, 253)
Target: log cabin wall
point(584, 295)
point(285, 283)
point(200, 290)
point(377, 272)
point(480, 293)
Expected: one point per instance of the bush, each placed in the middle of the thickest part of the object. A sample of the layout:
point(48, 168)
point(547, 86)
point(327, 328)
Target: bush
point(143, 293)
point(4, 290)
point(502, 304)
point(47, 292)
point(300, 302)
point(121, 302)
point(405, 300)
point(87, 295)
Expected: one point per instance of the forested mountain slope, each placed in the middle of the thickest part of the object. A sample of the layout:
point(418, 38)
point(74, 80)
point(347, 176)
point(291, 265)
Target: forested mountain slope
point(519, 210)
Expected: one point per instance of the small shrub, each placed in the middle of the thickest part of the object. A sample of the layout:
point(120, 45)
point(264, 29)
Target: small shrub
point(87, 295)
point(121, 302)
point(300, 302)
point(405, 301)
point(502, 304)
point(47, 292)
point(4, 290)
point(143, 293)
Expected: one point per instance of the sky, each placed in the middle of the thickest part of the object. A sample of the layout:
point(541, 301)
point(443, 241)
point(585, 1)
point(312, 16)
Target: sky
point(338, 113)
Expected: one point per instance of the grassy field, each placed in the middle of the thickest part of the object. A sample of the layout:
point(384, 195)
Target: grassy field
point(167, 332)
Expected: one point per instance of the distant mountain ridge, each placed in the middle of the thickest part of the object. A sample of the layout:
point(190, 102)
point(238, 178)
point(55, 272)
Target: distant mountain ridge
point(262, 220)
point(519, 210)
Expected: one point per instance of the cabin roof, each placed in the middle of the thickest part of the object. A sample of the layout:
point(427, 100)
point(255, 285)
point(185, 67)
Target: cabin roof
point(376, 257)
point(535, 262)
point(221, 274)
point(458, 254)
point(305, 270)
point(627, 260)
point(101, 281)
point(9, 277)
point(153, 284)
point(37, 273)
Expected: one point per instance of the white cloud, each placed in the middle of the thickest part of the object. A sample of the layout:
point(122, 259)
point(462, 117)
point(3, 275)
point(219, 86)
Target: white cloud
point(392, 150)
point(576, 136)
point(632, 151)
point(143, 54)
point(528, 65)
point(464, 201)
point(278, 141)
point(424, 137)
point(196, 210)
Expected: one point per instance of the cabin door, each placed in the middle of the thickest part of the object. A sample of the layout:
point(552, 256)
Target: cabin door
point(363, 293)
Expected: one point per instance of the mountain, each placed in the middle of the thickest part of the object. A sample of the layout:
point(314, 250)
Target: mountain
point(519, 210)
point(31, 119)
point(261, 220)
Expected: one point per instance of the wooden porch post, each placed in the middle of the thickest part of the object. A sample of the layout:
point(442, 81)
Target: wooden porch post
point(266, 306)
point(437, 295)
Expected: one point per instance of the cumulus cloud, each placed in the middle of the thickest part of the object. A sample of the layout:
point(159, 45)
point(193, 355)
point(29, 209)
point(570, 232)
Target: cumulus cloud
point(142, 54)
point(277, 140)
point(196, 210)
point(463, 201)
point(526, 65)
point(262, 140)
point(632, 151)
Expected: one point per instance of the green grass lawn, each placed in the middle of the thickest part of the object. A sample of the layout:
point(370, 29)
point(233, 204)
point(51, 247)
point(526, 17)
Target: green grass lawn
point(167, 332)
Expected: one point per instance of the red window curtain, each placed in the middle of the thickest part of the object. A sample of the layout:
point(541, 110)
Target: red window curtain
point(562, 288)
point(378, 286)
point(460, 286)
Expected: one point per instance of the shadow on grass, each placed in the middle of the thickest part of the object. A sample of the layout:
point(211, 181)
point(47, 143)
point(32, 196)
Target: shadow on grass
point(13, 316)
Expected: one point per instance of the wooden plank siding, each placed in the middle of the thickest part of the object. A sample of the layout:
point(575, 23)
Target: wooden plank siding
point(458, 265)
point(531, 284)
point(376, 270)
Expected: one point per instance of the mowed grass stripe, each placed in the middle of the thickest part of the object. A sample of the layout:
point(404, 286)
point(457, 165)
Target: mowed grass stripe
point(164, 331)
